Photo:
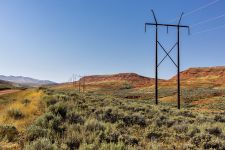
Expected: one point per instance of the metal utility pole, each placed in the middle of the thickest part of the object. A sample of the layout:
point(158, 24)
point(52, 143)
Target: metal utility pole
point(178, 26)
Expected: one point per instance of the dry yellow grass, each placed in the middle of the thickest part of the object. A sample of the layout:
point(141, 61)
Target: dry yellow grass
point(9, 146)
point(30, 111)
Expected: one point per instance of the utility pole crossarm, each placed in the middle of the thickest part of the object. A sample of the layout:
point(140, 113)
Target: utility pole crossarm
point(167, 25)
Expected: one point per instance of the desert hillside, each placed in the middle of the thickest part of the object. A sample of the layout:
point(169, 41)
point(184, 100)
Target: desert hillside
point(203, 73)
point(117, 77)
point(132, 78)
point(5, 85)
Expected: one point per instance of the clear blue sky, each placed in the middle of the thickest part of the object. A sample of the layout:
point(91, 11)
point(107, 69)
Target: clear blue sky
point(52, 39)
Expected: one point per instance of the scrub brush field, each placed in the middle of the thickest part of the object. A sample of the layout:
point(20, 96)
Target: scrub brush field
point(72, 120)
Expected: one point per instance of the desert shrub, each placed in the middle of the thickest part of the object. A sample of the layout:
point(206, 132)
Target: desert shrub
point(112, 146)
point(189, 146)
point(162, 120)
point(199, 139)
point(43, 120)
point(109, 137)
point(129, 140)
point(51, 101)
point(48, 91)
point(55, 124)
point(59, 109)
point(73, 94)
point(154, 135)
point(219, 118)
point(35, 132)
point(15, 113)
point(94, 125)
point(86, 146)
point(109, 116)
point(214, 131)
point(170, 123)
point(25, 101)
point(8, 132)
point(126, 86)
point(73, 140)
point(62, 96)
point(181, 128)
point(40, 144)
point(214, 144)
point(134, 119)
point(193, 131)
point(187, 114)
point(73, 117)
point(51, 121)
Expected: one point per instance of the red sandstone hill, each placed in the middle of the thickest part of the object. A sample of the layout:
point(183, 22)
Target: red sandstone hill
point(133, 78)
point(203, 73)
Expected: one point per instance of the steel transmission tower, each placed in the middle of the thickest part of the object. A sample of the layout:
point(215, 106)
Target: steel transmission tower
point(178, 27)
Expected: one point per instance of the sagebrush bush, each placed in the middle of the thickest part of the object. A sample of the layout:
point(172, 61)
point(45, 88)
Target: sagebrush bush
point(134, 119)
point(214, 144)
point(110, 116)
point(59, 109)
point(94, 125)
point(74, 117)
point(25, 101)
point(35, 132)
point(129, 140)
point(126, 86)
point(214, 131)
point(161, 120)
point(193, 131)
point(155, 133)
point(112, 146)
point(52, 122)
point(15, 113)
point(43, 120)
point(200, 139)
point(73, 140)
point(181, 128)
point(56, 124)
point(109, 137)
point(51, 101)
point(8, 132)
point(41, 144)
point(187, 114)
point(219, 118)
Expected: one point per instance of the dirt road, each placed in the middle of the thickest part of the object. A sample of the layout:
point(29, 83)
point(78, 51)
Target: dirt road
point(8, 92)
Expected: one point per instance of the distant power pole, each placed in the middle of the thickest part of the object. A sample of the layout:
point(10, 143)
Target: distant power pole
point(178, 27)
point(79, 84)
point(83, 83)
point(74, 78)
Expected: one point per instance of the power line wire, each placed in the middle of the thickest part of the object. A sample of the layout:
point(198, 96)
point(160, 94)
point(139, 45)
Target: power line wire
point(209, 30)
point(197, 9)
point(208, 20)
point(206, 31)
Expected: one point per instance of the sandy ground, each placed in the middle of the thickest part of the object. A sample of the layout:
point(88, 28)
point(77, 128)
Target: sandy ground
point(8, 91)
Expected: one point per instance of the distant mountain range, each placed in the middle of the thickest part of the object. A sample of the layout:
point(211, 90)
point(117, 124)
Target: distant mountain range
point(26, 81)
